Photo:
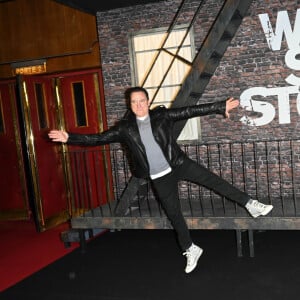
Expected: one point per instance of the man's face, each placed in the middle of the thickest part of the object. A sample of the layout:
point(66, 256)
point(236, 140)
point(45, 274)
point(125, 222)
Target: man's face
point(139, 104)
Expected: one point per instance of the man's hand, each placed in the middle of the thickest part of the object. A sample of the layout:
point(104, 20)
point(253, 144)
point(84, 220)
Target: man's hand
point(231, 103)
point(58, 136)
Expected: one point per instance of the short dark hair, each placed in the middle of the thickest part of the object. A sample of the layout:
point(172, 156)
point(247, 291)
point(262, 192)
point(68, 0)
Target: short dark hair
point(131, 90)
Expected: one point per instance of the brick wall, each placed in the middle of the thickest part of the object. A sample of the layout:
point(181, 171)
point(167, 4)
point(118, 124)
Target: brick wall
point(247, 63)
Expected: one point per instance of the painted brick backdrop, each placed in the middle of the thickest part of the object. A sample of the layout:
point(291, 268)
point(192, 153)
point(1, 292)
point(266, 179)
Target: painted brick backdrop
point(247, 63)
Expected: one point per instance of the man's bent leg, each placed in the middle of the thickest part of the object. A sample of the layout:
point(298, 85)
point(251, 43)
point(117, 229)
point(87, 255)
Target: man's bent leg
point(127, 196)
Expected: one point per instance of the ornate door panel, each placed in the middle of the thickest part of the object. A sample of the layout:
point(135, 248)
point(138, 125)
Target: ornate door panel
point(13, 200)
point(83, 111)
point(46, 175)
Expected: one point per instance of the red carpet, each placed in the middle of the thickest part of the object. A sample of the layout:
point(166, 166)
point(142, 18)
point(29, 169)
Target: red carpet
point(24, 251)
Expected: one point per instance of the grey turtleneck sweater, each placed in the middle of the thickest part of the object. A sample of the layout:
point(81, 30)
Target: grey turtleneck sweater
point(157, 162)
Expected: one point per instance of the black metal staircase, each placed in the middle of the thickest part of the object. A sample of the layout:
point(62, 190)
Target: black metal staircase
point(205, 62)
point(210, 54)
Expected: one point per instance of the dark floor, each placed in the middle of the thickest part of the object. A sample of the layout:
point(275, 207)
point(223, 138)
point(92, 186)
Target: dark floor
point(147, 265)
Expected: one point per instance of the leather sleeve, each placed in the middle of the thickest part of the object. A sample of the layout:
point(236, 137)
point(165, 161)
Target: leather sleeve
point(106, 137)
point(187, 112)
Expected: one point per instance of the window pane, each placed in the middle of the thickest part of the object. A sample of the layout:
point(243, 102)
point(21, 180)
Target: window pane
point(146, 49)
point(39, 92)
point(176, 37)
point(165, 95)
point(79, 102)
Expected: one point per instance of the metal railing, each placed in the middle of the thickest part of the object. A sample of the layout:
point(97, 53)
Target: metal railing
point(266, 170)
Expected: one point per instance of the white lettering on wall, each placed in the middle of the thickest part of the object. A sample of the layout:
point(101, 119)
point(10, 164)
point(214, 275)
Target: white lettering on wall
point(266, 111)
point(283, 25)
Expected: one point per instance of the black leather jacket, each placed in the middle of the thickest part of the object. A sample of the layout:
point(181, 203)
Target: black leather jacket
point(162, 121)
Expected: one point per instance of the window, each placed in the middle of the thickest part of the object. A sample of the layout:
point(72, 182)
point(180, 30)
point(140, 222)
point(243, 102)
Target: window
point(79, 101)
point(39, 92)
point(145, 49)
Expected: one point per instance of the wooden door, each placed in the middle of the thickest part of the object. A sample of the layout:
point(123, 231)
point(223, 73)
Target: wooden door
point(13, 200)
point(46, 177)
point(47, 180)
point(83, 111)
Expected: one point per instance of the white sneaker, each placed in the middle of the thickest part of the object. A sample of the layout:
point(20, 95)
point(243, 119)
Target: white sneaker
point(192, 255)
point(257, 209)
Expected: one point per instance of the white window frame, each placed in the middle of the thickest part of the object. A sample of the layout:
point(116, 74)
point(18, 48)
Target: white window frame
point(142, 57)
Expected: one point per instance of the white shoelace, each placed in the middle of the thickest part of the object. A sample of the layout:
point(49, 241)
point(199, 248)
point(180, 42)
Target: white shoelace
point(259, 205)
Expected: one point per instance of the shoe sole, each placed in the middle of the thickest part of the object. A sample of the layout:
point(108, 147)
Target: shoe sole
point(198, 256)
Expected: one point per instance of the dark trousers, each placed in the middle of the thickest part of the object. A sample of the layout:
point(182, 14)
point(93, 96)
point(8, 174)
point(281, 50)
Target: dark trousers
point(166, 188)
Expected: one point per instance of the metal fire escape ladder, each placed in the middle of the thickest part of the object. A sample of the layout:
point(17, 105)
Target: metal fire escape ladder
point(176, 55)
point(210, 54)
